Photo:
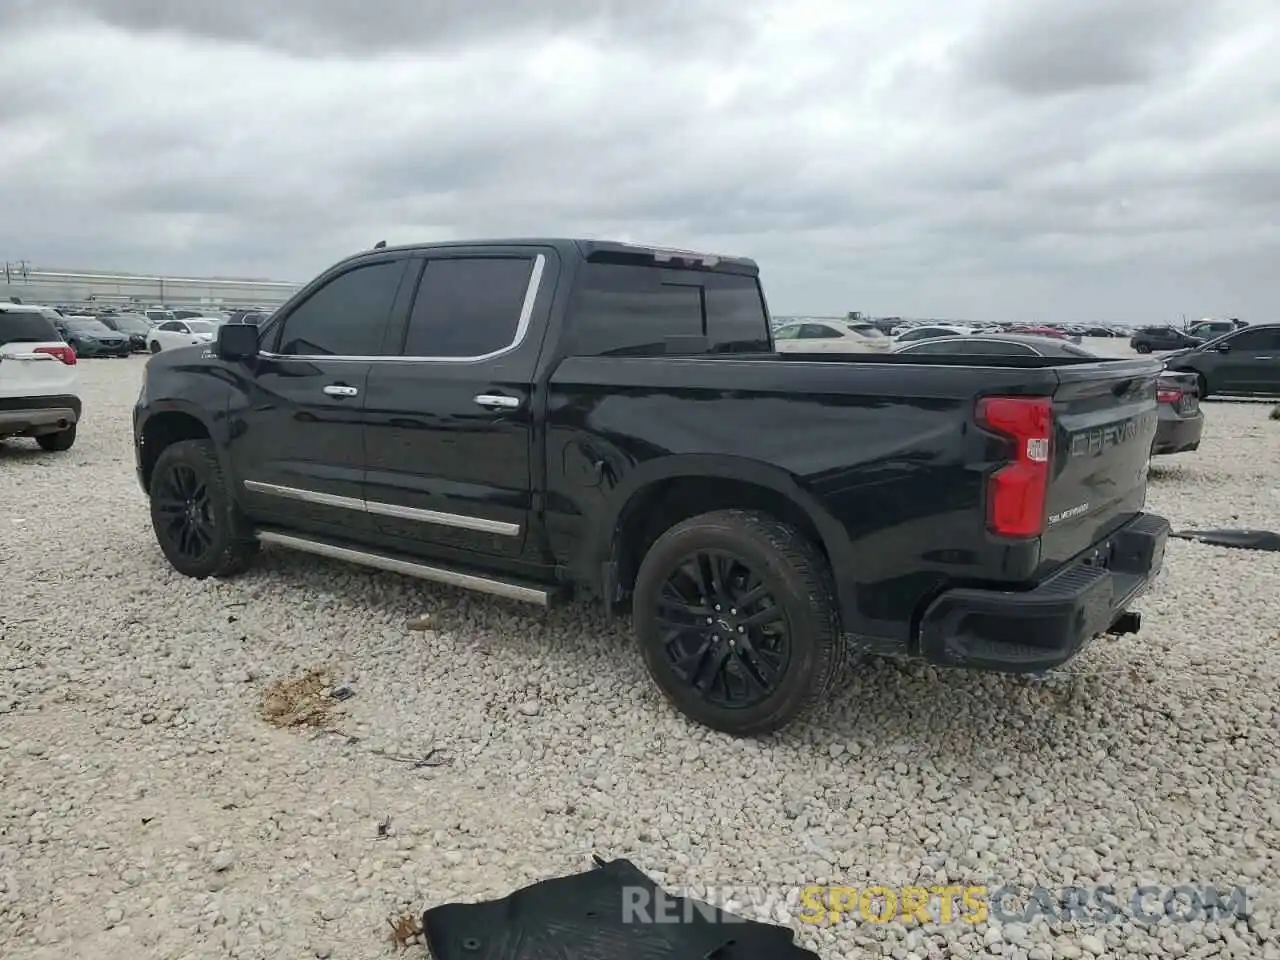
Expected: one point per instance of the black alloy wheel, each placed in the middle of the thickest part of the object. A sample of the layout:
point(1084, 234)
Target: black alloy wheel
point(197, 522)
point(724, 633)
point(181, 500)
point(735, 615)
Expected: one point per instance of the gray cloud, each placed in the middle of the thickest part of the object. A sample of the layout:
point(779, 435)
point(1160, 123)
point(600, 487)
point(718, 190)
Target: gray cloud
point(903, 159)
point(326, 27)
point(1040, 48)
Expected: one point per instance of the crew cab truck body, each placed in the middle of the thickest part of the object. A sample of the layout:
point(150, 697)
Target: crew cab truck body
point(543, 417)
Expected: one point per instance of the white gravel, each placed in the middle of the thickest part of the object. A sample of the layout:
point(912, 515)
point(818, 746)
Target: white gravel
point(147, 811)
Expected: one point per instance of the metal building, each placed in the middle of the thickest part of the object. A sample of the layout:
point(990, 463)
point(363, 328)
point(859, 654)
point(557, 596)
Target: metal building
point(96, 287)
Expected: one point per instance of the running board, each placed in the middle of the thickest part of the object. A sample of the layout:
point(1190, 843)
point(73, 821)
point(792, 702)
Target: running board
point(511, 589)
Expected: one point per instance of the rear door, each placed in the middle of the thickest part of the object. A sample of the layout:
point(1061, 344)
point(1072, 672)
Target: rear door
point(1104, 423)
point(297, 428)
point(451, 419)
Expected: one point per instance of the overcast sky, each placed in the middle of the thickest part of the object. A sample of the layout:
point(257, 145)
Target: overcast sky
point(993, 159)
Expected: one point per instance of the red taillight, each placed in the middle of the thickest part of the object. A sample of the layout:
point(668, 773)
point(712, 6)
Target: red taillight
point(1168, 395)
point(1016, 493)
point(65, 353)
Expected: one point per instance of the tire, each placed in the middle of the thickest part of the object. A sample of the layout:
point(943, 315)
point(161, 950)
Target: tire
point(1143, 348)
point(58, 442)
point(227, 546)
point(797, 582)
point(155, 346)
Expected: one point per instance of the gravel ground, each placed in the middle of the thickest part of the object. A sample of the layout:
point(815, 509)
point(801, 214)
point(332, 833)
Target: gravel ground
point(146, 810)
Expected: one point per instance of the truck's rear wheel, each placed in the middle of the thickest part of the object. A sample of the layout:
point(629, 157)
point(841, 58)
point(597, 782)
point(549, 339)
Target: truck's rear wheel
point(736, 619)
point(198, 525)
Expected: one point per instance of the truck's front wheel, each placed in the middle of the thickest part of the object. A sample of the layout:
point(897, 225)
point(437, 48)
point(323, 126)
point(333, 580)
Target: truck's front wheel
point(735, 616)
point(198, 525)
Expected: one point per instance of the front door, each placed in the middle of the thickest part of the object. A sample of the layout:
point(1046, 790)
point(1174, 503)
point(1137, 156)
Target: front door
point(450, 421)
point(297, 424)
point(1241, 361)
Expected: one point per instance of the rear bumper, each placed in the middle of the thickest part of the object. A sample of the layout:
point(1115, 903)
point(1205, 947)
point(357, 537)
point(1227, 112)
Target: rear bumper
point(1176, 434)
point(30, 416)
point(1034, 630)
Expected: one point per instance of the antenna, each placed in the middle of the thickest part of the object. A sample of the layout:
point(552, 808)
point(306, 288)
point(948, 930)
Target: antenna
point(380, 244)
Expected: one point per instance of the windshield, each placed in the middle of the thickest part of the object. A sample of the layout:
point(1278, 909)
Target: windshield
point(88, 326)
point(865, 329)
point(201, 326)
point(132, 325)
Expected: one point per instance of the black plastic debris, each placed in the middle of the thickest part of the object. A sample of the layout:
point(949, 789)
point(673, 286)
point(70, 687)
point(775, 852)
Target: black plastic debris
point(341, 692)
point(614, 912)
point(1240, 539)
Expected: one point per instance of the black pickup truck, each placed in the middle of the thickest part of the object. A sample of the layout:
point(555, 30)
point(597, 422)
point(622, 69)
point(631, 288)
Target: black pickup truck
point(538, 418)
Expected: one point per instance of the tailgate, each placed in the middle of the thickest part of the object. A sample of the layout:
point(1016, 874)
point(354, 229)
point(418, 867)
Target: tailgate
point(1104, 422)
point(26, 373)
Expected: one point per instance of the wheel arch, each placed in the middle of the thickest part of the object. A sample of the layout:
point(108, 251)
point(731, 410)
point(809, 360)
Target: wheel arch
point(661, 494)
point(166, 425)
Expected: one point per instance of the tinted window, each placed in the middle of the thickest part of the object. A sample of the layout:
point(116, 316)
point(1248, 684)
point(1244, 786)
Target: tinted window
point(624, 310)
point(347, 317)
point(993, 348)
point(735, 313)
point(25, 326)
point(1255, 340)
point(788, 333)
point(88, 326)
point(818, 331)
point(467, 307)
point(932, 347)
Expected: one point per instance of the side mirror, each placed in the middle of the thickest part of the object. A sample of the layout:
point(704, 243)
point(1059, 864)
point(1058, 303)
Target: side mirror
point(236, 342)
point(1223, 348)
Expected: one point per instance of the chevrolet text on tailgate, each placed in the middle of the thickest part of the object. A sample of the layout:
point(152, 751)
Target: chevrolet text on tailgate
point(544, 418)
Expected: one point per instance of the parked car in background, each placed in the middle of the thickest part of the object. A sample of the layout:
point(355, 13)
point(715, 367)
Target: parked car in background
point(135, 326)
point(934, 330)
point(255, 317)
point(1212, 329)
point(181, 333)
point(90, 337)
point(830, 336)
point(1245, 362)
point(1038, 331)
point(1149, 339)
point(999, 344)
point(1181, 421)
point(39, 385)
point(157, 316)
point(486, 415)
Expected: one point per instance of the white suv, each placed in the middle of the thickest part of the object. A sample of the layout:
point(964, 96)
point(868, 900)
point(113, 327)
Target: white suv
point(39, 385)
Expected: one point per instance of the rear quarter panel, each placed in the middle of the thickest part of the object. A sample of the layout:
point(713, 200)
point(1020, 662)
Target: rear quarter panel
point(884, 457)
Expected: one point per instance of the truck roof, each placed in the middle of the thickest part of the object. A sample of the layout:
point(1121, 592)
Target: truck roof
point(603, 251)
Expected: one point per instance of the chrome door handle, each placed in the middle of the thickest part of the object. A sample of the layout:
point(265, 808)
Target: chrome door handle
point(494, 401)
point(340, 390)
point(1262, 358)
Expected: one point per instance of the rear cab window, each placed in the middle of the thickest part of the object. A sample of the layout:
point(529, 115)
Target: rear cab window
point(647, 309)
point(26, 326)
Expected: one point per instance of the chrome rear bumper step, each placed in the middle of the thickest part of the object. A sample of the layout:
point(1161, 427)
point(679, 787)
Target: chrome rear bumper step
point(511, 589)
